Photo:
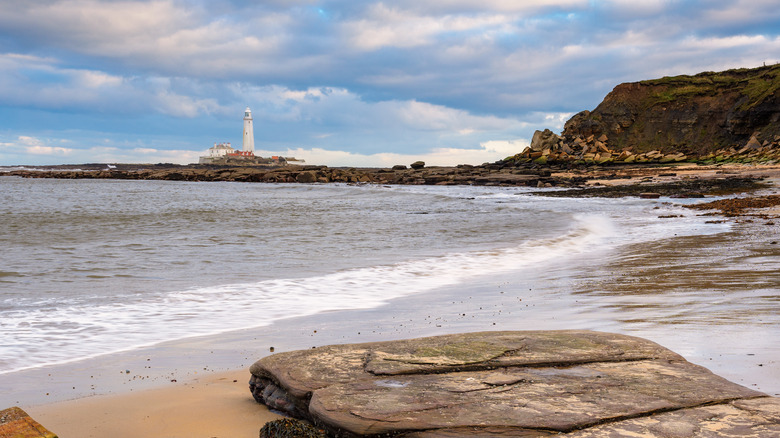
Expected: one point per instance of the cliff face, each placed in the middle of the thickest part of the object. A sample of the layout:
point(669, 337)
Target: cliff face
point(694, 115)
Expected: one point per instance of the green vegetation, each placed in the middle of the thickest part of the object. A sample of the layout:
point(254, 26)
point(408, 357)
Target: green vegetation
point(675, 93)
point(761, 87)
point(757, 84)
point(460, 352)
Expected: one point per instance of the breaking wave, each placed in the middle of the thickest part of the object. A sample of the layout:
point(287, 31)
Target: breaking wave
point(66, 333)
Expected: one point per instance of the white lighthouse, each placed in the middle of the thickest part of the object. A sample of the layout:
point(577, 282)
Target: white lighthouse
point(249, 132)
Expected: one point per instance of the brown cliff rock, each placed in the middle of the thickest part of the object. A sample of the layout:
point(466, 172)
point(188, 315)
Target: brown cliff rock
point(544, 140)
point(690, 114)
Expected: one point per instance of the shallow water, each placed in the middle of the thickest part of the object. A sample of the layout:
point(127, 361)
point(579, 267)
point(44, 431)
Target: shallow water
point(91, 268)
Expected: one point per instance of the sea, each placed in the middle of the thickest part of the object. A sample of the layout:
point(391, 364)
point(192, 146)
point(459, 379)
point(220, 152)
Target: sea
point(96, 269)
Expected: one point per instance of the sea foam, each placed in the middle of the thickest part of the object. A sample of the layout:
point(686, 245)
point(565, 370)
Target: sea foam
point(61, 334)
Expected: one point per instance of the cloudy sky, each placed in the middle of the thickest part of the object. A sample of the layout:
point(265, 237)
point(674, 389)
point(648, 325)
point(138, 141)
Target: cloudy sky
point(340, 82)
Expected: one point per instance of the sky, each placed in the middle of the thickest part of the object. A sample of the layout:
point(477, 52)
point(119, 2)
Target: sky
point(337, 82)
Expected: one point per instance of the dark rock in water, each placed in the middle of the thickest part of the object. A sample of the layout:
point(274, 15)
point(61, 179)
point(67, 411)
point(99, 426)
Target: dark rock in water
point(739, 206)
point(687, 195)
point(649, 195)
point(306, 177)
point(534, 383)
point(718, 186)
point(15, 423)
point(506, 178)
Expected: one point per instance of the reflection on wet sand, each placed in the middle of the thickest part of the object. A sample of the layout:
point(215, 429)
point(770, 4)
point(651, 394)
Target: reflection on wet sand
point(702, 296)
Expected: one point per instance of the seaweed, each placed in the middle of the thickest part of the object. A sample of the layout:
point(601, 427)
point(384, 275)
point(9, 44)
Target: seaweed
point(290, 428)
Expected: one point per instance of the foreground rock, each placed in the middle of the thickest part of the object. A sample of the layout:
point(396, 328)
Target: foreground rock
point(530, 384)
point(15, 423)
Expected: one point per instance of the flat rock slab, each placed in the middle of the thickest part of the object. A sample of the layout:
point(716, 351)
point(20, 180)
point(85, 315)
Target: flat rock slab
point(15, 423)
point(519, 384)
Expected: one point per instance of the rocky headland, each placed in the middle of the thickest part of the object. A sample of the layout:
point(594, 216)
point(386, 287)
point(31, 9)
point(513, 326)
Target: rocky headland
point(729, 116)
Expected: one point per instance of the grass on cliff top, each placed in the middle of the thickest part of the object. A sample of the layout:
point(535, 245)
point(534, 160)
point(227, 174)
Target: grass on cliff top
point(755, 83)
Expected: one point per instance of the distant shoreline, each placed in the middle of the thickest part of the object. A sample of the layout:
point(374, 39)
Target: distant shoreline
point(680, 179)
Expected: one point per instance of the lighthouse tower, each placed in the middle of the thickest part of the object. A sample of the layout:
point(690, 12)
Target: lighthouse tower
point(249, 132)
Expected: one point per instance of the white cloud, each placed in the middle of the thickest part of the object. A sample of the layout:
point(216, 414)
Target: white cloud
point(179, 105)
point(639, 7)
point(33, 146)
point(429, 117)
point(740, 12)
point(95, 90)
point(301, 95)
point(165, 36)
point(393, 27)
point(95, 79)
point(34, 150)
point(487, 152)
point(48, 150)
point(338, 108)
point(729, 42)
point(99, 27)
point(525, 6)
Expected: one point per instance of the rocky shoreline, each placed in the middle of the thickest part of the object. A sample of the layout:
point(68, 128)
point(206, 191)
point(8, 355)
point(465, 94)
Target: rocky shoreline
point(578, 149)
point(606, 181)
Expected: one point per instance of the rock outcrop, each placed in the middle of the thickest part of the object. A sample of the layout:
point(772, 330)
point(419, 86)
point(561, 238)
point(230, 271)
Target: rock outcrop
point(504, 173)
point(501, 173)
point(692, 115)
point(530, 384)
point(731, 116)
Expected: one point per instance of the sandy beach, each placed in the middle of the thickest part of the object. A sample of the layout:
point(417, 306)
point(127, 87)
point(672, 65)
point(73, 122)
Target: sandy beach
point(217, 405)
